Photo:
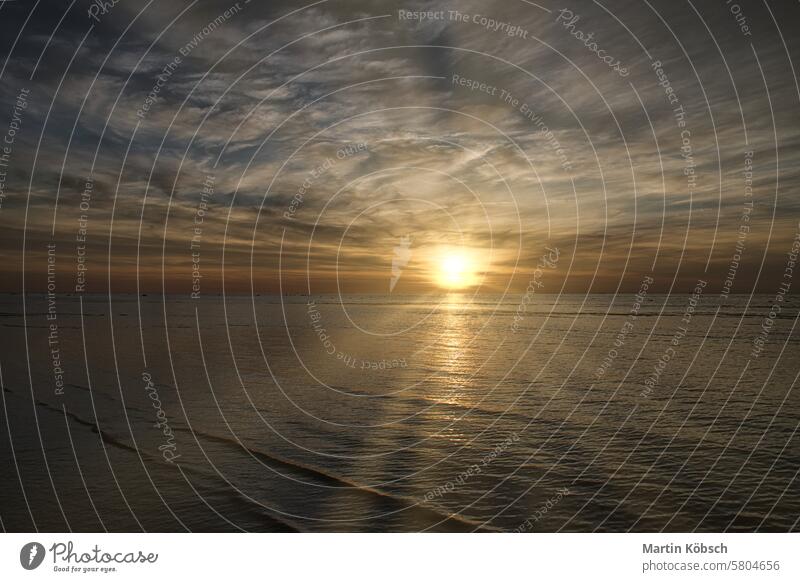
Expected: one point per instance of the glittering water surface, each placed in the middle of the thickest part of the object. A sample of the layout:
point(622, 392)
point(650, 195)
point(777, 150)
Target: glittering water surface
point(387, 413)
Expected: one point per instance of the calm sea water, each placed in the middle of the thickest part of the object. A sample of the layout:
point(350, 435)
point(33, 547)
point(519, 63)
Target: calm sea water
point(381, 413)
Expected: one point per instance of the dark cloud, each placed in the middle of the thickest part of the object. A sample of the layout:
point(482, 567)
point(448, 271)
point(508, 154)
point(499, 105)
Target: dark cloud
point(265, 97)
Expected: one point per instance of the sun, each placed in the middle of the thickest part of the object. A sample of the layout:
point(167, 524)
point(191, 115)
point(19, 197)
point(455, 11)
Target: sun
point(456, 270)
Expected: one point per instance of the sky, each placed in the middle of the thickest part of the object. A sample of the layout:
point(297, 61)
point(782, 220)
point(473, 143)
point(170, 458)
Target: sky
point(292, 147)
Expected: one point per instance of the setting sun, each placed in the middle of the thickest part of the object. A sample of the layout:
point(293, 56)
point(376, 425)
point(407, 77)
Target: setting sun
point(456, 270)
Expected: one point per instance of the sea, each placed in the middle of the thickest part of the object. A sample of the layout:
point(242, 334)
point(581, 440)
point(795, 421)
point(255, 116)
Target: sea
point(388, 413)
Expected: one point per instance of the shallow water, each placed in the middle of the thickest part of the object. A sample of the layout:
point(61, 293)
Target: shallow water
point(386, 413)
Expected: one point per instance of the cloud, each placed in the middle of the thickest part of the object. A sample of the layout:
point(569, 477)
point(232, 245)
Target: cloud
point(556, 148)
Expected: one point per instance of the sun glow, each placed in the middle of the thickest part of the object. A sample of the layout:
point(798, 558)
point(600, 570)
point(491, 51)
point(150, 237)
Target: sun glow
point(456, 269)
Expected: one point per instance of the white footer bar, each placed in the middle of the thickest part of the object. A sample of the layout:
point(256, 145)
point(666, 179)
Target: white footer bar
point(400, 557)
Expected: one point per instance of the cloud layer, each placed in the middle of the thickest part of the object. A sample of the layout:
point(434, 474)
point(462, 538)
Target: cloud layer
point(322, 134)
